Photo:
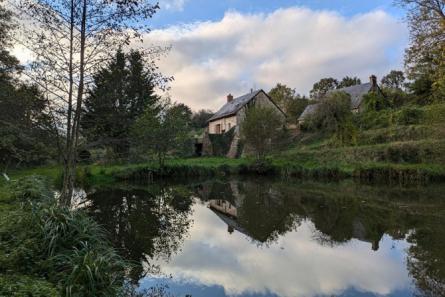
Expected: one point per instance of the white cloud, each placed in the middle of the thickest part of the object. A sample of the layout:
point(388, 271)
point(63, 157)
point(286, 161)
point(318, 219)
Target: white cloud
point(173, 4)
point(295, 46)
point(296, 265)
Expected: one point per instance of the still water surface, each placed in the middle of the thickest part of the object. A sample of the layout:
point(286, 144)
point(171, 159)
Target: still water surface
point(257, 237)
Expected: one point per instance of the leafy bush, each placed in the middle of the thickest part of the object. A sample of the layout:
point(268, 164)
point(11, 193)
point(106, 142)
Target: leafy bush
point(333, 115)
point(376, 102)
point(24, 286)
point(434, 113)
point(374, 119)
point(403, 154)
point(330, 113)
point(409, 115)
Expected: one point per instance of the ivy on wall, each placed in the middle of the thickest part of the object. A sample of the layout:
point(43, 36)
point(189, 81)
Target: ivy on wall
point(221, 142)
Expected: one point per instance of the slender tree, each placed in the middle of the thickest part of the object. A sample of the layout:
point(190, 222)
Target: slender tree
point(70, 40)
point(262, 131)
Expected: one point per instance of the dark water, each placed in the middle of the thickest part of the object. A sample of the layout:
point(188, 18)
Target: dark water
point(258, 237)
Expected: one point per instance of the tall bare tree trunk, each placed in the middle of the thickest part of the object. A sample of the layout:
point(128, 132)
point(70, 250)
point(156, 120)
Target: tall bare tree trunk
point(74, 116)
point(68, 182)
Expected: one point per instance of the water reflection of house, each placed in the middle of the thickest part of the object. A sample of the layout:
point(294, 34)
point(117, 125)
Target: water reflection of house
point(224, 207)
point(359, 232)
point(227, 212)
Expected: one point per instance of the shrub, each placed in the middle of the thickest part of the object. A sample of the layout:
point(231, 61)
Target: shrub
point(376, 102)
point(334, 115)
point(409, 115)
point(22, 285)
point(374, 119)
point(330, 113)
point(65, 247)
point(403, 153)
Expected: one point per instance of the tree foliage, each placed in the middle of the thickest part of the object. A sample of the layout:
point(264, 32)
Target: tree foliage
point(262, 131)
point(425, 56)
point(349, 81)
point(394, 80)
point(24, 124)
point(122, 91)
point(324, 85)
point(71, 40)
point(289, 101)
point(200, 118)
point(282, 95)
point(162, 132)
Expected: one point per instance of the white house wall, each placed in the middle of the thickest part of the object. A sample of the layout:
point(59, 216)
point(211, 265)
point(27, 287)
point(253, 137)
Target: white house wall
point(226, 124)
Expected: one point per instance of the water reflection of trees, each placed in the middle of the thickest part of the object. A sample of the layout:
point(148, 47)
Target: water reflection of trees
point(341, 212)
point(143, 224)
point(152, 222)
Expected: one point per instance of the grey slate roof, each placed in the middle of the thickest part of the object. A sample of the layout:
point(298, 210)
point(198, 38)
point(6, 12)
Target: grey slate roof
point(310, 109)
point(356, 92)
point(231, 108)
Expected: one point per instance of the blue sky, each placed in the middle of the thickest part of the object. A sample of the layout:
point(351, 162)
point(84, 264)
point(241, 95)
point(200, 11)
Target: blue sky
point(176, 12)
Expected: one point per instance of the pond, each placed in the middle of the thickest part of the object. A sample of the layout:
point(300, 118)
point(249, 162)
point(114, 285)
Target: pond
point(263, 237)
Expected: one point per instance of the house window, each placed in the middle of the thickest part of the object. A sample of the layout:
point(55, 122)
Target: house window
point(229, 126)
point(218, 129)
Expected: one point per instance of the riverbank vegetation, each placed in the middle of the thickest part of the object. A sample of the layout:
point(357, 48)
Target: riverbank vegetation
point(49, 250)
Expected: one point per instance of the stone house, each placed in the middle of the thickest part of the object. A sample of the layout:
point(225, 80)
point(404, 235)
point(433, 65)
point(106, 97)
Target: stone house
point(356, 92)
point(230, 116)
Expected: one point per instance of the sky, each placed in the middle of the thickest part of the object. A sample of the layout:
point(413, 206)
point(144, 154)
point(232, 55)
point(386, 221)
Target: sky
point(231, 46)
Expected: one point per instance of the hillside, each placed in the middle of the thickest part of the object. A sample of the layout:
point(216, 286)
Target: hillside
point(386, 139)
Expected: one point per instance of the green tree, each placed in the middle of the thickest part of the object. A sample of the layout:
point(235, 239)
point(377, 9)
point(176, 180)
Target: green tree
point(295, 108)
point(289, 101)
point(425, 56)
point(394, 80)
point(162, 132)
point(349, 81)
point(122, 90)
point(282, 95)
point(200, 118)
point(24, 122)
point(323, 86)
point(8, 63)
point(263, 131)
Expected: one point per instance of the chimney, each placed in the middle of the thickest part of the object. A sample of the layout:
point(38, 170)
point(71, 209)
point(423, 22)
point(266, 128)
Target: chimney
point(229, 98)
point(373, 80)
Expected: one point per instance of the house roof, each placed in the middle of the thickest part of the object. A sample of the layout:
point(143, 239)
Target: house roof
point(232, 107)
point(356, 92)
point(310, 109)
